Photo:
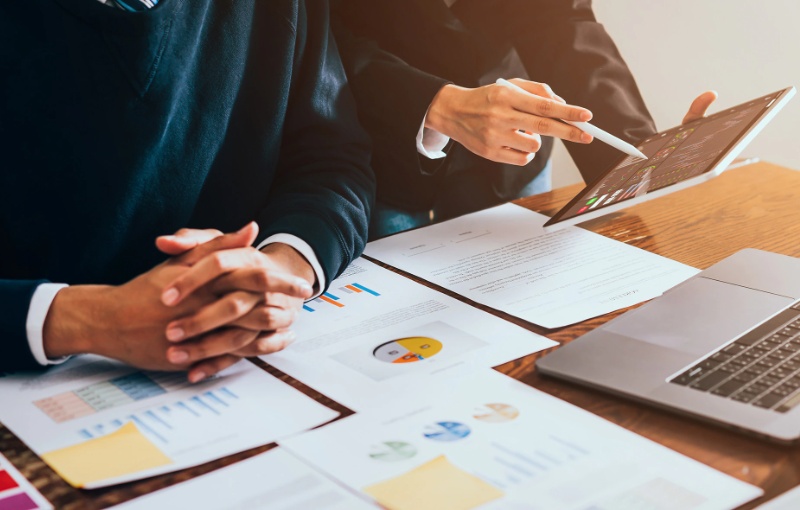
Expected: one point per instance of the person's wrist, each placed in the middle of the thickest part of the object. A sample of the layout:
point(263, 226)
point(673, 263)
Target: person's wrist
point(290, 261)
point(442, 107)
point(75, 321)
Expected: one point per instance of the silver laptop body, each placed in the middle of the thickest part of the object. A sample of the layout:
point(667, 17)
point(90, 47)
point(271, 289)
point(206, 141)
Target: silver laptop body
point(723, 346)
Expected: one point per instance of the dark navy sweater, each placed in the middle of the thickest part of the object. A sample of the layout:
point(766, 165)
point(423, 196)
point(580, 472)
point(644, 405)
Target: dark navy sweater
point(117, 127)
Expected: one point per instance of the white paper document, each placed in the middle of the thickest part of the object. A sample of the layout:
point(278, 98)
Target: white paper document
point(16, 492)
point(491, 442)
point(97, 422)
point(502, 257)
point(274, 480)
point(376, 334)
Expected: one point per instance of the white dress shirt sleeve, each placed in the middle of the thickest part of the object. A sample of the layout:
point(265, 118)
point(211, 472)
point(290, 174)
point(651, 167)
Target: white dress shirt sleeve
point(306, 251)
point(42, 298)
point(431, 143)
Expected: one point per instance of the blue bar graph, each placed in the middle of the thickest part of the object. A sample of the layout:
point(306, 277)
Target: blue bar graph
point(163, 421)
point(146, 428)
point(370, 291)
point(228, 392)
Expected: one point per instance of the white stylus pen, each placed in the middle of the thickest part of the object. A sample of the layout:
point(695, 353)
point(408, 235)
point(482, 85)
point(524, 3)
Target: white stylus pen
point(595, 131)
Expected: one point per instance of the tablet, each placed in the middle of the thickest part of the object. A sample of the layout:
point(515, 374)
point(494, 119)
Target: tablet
point(677, 158)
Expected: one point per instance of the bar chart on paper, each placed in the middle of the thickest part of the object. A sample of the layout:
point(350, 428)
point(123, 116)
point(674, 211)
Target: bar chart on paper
point(116, 392)
point(97, 422)
point(339, 297)
point(163, 422)
point(157, 422)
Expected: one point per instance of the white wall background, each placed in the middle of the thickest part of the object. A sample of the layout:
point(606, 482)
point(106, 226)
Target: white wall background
point(679, 48)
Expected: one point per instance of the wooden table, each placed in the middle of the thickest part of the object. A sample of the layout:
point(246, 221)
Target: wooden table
point(749, 207)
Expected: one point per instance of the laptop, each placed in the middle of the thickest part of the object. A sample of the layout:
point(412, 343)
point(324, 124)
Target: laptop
point(723, 346)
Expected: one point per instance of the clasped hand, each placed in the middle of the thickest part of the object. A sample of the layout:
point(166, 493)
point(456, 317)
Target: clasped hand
point(255, 298)
point(214, 301)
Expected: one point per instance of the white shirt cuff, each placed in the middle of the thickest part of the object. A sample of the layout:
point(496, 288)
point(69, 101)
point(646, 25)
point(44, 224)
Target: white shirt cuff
point(430, 143)
point(306, 251)
point(34, 325)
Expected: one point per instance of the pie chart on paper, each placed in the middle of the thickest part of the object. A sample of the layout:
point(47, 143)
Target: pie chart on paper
point(496, 413)
point(447, 431)
point(392, 451)
point(408, 350)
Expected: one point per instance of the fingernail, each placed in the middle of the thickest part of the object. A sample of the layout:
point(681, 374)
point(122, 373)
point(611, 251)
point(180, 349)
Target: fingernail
point(288, 338)
point(169, 238)
point(170, 296)
point(586, 138)
point(586, 116)
point(560, 99)
point(178, 356)
point(305, 287)
point(175, 334)
point(243, 228)
point(196, 377)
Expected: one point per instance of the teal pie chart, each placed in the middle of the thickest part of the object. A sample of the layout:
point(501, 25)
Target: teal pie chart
point(447, 431)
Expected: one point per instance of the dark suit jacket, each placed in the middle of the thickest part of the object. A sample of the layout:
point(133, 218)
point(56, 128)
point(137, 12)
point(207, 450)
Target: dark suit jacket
point(118, 127)
point(399, 53)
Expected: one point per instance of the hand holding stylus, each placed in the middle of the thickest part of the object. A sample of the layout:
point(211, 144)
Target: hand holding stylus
point(503, 123)
point(594, 131)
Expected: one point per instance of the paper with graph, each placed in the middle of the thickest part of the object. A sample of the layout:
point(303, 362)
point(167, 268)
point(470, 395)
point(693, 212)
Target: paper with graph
point(376, 334)
point(97, 422)
point(491, 442)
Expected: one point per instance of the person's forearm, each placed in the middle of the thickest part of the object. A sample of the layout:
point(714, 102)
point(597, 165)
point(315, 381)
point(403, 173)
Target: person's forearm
point(440, 110)
point(74, 321)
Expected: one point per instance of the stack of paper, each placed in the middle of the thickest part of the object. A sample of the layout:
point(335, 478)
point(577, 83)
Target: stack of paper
point(440, 429)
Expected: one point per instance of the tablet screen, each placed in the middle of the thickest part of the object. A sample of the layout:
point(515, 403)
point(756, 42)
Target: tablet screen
point(675, 155)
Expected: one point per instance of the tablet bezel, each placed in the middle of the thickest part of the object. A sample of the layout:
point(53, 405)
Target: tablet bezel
point(722, 163)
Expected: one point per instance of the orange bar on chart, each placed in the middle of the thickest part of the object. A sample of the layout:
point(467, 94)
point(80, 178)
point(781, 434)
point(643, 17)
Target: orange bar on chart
point(354, 289)
point(331, 301)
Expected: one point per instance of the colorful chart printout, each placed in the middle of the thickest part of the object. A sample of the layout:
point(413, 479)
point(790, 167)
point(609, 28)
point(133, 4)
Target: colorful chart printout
point(496, 413)
point(16, 492)
point(447, 431)
point(408, 350)
point(392, 451)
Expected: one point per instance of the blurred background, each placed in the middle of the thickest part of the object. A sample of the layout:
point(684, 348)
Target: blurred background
point(679, 48)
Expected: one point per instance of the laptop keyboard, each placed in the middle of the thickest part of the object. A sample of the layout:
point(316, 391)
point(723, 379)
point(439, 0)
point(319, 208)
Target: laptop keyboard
point(761, 368)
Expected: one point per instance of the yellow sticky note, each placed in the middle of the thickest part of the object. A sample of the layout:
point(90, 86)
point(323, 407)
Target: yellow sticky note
point(120, 453)
point(432, 486)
